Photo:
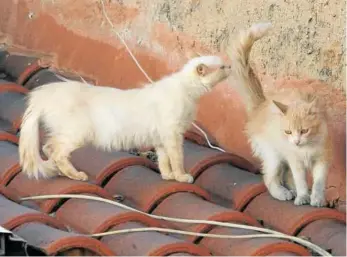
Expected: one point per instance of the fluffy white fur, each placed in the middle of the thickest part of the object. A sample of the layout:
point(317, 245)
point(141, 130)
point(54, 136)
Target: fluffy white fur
point(75, 114)
point(287, 129)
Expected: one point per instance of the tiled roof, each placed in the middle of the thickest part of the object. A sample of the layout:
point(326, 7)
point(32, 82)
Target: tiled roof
point(226, 188)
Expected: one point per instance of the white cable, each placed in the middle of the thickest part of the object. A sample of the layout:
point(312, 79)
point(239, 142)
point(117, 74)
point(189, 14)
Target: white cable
point(190, 221)
point(144, 72)
point(121, 39)
point(183, 232)
point(206, 137)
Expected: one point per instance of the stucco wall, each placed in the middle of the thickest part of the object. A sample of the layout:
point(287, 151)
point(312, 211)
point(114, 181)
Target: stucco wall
point(307, 40)
point(307, 43)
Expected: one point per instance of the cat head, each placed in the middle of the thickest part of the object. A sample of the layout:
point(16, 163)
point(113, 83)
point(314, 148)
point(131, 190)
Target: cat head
point(207, 70)
point(302, 123)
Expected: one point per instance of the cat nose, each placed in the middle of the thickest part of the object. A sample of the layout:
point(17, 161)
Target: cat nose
point(225, 67)
point(296, 141)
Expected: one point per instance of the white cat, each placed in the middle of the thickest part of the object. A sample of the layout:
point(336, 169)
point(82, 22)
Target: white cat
point(286, 129)
point(75, 114)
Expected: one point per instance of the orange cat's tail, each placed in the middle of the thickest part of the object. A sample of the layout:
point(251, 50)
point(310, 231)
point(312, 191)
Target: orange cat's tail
point(247, 83)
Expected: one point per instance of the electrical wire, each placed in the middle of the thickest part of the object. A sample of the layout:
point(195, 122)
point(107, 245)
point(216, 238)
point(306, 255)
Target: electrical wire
point(270, 232)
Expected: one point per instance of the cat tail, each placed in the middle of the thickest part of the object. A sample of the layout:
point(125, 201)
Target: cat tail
point(247, 83)
point(29, 146)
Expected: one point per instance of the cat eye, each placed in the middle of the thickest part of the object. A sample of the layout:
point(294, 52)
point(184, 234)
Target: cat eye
point(288, 132)
point(201, 69)
point(304, 131)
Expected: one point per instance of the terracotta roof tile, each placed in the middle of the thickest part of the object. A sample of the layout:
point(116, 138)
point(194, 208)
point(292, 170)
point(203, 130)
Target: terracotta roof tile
point(8, 161)
point(147, 188)
point(14, 215)
point(231, 186)
point(273, 213)
point(101, 165)
point(150, 243)
point(89, 221)
point(60, 185)
point(53, 241)
point(328, 233)
point(41, 77)
point(227, 188)
point(249, 247)
point(191, 206)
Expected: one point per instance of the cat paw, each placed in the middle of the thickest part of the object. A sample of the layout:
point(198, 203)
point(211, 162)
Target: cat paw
point(293, 192)
point(318, 200)
point(184, 178)
point(82, 176)
point(302, 199)
point(282, 194)
point(168, 176)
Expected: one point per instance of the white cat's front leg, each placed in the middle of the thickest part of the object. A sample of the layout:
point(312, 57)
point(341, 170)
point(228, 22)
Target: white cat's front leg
point(164, 164)
point(271, 165)
point(319, 173)
point(174, 148)
point(299, 176)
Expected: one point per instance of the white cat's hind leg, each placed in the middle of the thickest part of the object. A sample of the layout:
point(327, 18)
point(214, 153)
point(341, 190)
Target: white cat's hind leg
point(60, 154)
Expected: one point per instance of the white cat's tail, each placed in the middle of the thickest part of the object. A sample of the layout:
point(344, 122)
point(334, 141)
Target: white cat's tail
point(29, 146)
point(247, 83)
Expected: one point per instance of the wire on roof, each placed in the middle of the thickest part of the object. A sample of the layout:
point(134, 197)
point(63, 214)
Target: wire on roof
point(270, 232)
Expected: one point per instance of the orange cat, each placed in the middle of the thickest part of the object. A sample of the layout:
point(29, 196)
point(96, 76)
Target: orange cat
point(286, 129)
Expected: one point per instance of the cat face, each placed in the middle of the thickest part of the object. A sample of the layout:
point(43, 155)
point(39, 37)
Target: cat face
point(208, 70)
point(300, 123)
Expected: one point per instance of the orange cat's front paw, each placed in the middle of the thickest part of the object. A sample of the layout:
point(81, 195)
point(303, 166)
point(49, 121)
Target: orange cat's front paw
point(187, 178)
point(318, 200)
point(302, 200)
point(281, 193)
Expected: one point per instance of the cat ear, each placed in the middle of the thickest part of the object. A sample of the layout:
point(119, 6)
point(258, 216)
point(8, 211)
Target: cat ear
point(280, 107)
point(312, 107)
point(201, 69)
point(192, 54)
